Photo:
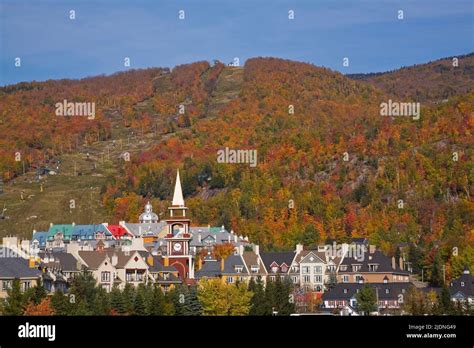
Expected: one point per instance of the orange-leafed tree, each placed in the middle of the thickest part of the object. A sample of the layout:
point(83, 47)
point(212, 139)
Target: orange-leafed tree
point(42, 308)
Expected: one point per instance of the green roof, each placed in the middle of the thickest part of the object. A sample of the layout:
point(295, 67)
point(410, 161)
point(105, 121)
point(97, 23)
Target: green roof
point(66, 230)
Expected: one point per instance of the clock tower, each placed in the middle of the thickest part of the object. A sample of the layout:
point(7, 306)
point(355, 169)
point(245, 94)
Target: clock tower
point(178, 236)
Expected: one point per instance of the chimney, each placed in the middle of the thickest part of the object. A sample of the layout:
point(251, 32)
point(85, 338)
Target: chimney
point(241, 249)
point(235, 238)
point(32, 262)
point(199, 264)
point(299, 248)
point(394, 265)
point(222, 264)
point(50, 224)
point(228, 238)
point(400, 263)
point(199, 237)
point(73, 224)
point(372, 249)
point(256, 249)
point(114, 260)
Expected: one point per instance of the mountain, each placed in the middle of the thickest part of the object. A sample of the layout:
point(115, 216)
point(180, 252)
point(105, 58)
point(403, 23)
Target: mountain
point(430, 82)
point(329, 165)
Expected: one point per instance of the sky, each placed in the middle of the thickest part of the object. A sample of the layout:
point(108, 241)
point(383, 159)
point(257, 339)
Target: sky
point(149, 32)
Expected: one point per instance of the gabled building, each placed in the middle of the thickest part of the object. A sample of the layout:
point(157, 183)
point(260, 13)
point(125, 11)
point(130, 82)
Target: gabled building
point(166, 277)
point(277, 264)
point(371, 266)
point(312, 270)
point(231, 270)
point(462, 288)
point(58, 270)
point(59, 235)
point(17, 268)
point(343, 297)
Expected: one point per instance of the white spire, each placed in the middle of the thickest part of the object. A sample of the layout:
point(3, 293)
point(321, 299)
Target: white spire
point(178, 193)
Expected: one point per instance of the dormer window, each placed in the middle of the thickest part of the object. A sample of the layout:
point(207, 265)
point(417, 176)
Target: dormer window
point(274, 269)
point(356, 268)
point(284, 268)
point(387, 291)
point(343, 267)
point(345, 291)
point(238, 269)
point(254, 269)
point(373, 267)
point(462, 283)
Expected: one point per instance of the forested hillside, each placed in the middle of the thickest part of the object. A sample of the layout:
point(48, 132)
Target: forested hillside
point(329, 166)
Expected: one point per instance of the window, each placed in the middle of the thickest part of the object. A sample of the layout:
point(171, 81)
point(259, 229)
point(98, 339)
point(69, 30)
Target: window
point(318, 288)
point(373, 267)
point(387, 291)
point(238, 269)
point(305, 269)
point(230, 280)
point(254, 269)
point(295, 279)
point(105, 276)
point(274, 269)
point(345, 279)
point(318, 279)
point(128, 277)
point(358, 278)
point(343, 267)
point(294, 269)
point(26, 285)
point(306, 279)
point(462, 283)
point(7, 284)
point(356, 268)
point(284, 269)
point(318, 269)
point(345, 291)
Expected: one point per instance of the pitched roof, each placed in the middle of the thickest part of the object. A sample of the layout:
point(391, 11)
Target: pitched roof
point(87, 231)
point(63, 261)
point(178, 200)
point(212, 268)
point(17, 267)
point(41, 237)
point(251, 259)
point(278, 257)
point(65, 229)
point(384, 263)
point(93, 259)
point(138, 229)
point(117, 231)
point(464, 285)
point(345, 291)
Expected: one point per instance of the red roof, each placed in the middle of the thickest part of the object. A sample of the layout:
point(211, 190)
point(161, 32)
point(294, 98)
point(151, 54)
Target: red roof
point(117, 231)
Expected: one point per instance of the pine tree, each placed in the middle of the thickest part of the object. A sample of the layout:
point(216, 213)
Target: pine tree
point(101, 302)
point(366, 299)
point(445, 301)
point(35, 294)
point(157, 304)
point(128, 295)
point(60, 303)
point(191, 306)
point(139, 304)
point(14, 301)
point(117, 302)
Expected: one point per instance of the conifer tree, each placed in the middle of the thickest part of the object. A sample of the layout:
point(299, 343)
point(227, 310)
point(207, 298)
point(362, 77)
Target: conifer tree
point(14, 301)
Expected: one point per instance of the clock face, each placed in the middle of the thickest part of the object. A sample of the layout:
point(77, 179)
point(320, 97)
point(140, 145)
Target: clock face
point(177, 247)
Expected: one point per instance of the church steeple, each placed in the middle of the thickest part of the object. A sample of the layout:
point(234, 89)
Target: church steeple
point(178, 200)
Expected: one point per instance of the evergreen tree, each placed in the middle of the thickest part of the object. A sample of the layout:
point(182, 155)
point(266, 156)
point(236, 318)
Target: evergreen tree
point(14, 302)
point(128, 295)
point(437, 272)
point(270, 297)
point(157, 304)
point(366, 299)
point(60, 303)
point(445, 301)
point(139, 304)
point(117, 302)
point(192, 306)
point(35, 294)
point(101, 302)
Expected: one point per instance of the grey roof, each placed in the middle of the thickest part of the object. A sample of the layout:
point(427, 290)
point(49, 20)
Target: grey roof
point(212, 268)
point(64, 261)
point(463, 285)
point(215, 235)
point(286, 257)
point(17, 267)
point(384, 262)
point(345, 291)
point(138, 229)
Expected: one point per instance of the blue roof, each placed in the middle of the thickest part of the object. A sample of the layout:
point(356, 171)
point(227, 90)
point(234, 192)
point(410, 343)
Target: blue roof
point(84, 232)
point(41, 237)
